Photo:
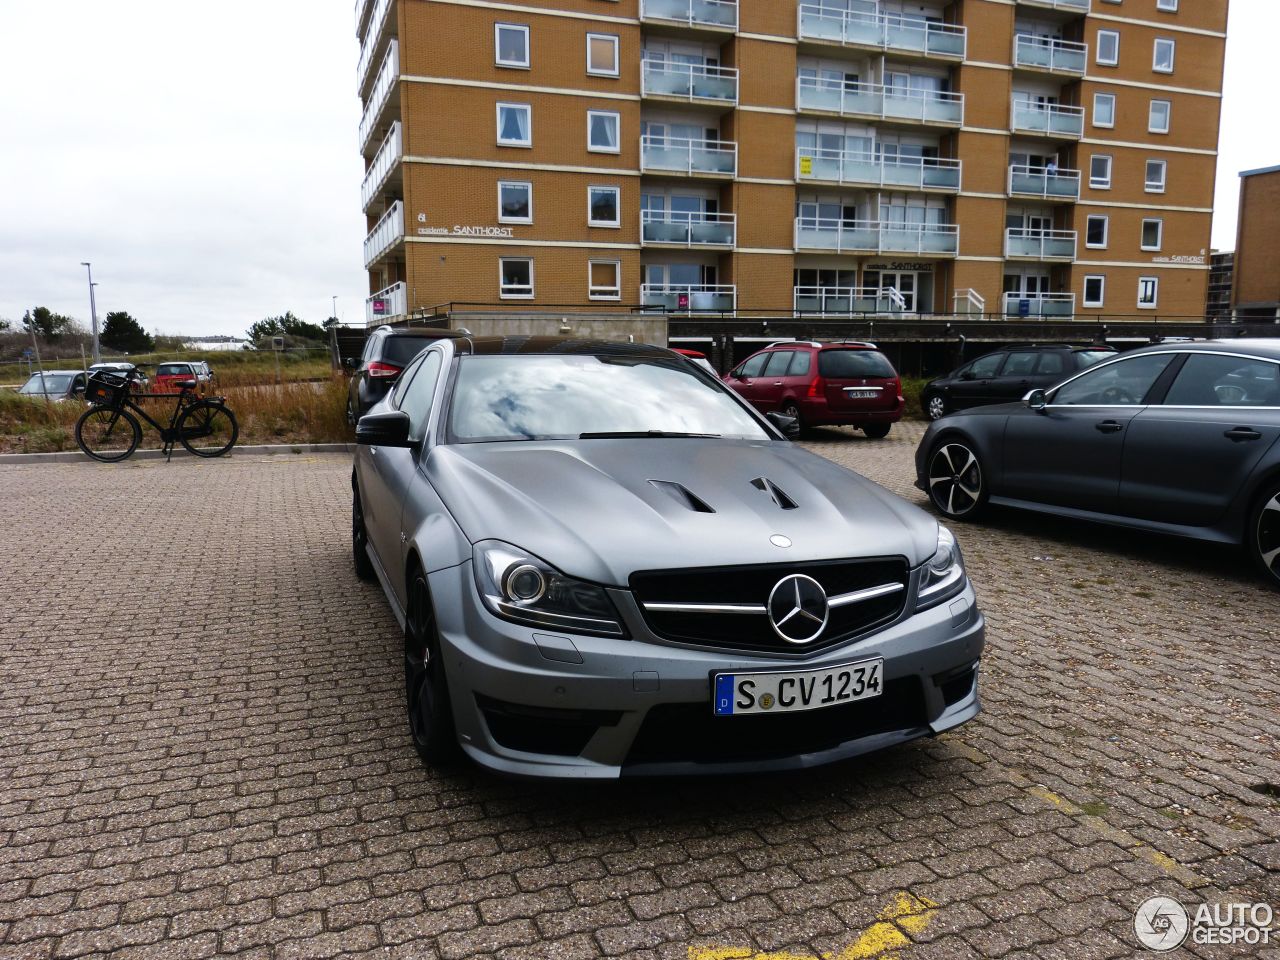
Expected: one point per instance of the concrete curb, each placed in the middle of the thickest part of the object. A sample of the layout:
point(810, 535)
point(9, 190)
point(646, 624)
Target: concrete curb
point(71, 456)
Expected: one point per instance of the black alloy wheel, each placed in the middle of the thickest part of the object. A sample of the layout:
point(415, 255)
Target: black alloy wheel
point(956, 482)
point(1264, 533)
point(426, 690)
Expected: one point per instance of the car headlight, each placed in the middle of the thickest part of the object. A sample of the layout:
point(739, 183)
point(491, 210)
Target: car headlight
point(523, 589)
point(942, 577)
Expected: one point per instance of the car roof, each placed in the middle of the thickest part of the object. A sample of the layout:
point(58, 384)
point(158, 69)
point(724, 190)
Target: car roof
point(528, 345)
point(422, 333)
point(59, 373)
point(1266, 347)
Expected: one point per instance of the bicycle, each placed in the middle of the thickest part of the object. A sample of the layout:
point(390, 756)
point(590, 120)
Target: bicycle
point(109, 432)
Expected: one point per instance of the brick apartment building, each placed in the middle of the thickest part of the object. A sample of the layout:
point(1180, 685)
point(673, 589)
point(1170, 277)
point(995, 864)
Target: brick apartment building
point(1049, 158)
point(1255, 285)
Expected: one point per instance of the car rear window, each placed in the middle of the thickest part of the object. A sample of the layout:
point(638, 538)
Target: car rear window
point(173, 370)
point(1089, 357)
point(400, 350)
point(843, 364)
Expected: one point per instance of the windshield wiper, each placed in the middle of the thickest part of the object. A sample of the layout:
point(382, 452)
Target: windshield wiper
point(659, 434)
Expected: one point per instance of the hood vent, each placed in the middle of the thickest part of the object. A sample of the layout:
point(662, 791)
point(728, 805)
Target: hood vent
point(682, 495)
point(775, 492)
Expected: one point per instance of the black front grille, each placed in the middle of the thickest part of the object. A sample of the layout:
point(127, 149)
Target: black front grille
point(752, 585)
point(690, 733)
point(550, 730)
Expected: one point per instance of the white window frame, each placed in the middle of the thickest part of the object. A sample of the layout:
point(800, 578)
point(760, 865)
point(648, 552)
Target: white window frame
point(502, 293)
point(1106, 231)
point(1151, 116)
point(528, 185)
point(1167, 6)
point(528, 109)
point(1159, 222)
point(617, 198)
point(1155, 300)
point(617, 131)
point(1155, 55)
point(617, 55)
point(497, 46)
point(605, 293)
point(1098, 53)
point(1102, 290)
point(1096, 183)
point(1094, 115)
point(1164, 179)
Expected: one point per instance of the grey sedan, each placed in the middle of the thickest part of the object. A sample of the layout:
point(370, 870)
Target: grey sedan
point(605, 563)
point(1172, 438)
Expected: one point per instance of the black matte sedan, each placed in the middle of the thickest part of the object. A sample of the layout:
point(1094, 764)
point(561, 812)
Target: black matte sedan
point(1008, 374)
point(1173, 438)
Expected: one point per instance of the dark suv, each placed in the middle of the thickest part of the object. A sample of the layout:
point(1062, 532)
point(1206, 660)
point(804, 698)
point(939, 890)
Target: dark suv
point(823, 383)
point(387, 351)
point(1008, 374)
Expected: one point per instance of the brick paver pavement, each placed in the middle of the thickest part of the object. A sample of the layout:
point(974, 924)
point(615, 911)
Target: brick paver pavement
point(202, 753)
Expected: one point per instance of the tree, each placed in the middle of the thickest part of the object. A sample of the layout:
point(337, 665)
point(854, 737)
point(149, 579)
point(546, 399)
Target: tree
point(286, 325)
point(46, 323)
point(4, 324)
point(122, 332)
point(331, 322)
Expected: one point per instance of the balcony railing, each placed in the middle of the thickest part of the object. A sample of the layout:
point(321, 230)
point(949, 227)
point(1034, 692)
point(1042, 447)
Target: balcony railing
point(867, 169)
point(1057, 306)
point(879, 102)
point(386, 234)
point(388, 77)
point(689, 81)
point(847, 300)
point(681, 155)
point(1071, 6)
point(388, 156)
point(362, 7)
point(690, 298)
point(876, 236)
point(718, 14)
point(386, 304)
point(969, 301)
point(1050, 53)
point(1049, 119)
point(1035, 244)
point(688, 229)
point(369, 49)
point(882, 31)
point(1040, 182)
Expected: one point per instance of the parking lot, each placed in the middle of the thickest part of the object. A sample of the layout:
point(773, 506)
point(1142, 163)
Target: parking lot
point(202, 751)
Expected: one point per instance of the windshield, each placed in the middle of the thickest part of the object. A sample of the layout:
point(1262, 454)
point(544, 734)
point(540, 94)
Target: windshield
point(549, 397)
point(843, 364)
point(53, 383)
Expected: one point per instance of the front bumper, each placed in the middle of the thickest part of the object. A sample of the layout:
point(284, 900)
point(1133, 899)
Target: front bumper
point(530, 702)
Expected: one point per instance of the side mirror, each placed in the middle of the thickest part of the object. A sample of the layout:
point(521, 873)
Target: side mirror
point(789, 426)
point(967, 375)
point(350, 363)
point(1036, 400)
point(389, 429)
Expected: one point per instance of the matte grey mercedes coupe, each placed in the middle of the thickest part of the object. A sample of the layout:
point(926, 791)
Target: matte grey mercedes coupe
point(1176, 438)
point(605, 563)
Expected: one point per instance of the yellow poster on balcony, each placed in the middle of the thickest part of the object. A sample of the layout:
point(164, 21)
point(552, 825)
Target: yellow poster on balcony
point(806, 166)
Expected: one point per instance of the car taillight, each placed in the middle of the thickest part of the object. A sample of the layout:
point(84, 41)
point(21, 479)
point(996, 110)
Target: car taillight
point(378, 369)
point(817, 387)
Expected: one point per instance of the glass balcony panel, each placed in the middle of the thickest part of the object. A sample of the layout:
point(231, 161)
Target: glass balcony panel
point(817, 25)
point(946, 177)
point(939, 242)
point(719, 234)
point(946, 43)
point(1066, 124)
point(713, 87)
point(1059, 247)
point(944, 111)
point(716, 13)
point(668, 83)
point(1021, 245)
point(1066, 188)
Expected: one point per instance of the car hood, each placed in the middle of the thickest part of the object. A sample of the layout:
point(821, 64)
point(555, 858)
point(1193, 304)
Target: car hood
point(590, 508)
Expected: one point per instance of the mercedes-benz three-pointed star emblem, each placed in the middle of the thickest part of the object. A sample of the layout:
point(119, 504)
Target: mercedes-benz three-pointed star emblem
point(798, 609)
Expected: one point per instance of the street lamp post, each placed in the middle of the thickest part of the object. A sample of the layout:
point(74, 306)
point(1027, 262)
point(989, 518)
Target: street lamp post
point(334, 312)
point(93, 311)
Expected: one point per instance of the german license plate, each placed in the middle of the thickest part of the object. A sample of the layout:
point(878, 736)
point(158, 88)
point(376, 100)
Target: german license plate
point(736, 694)
point(862, 394)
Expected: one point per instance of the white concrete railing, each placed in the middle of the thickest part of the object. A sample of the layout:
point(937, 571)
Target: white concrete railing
point(388, 231)
point(388, 155)
point(388, 77)
point(387, 304)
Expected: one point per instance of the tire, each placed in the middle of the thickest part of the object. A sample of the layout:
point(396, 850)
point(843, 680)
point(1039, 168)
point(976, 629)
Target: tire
point(427, 703)
point(208, 429)
point(360, 541)
point(1263, 540)
point(877, 431)
point(957, 484)
point(108, 435)
point(791, 409)
point(936, 406)
point(351, 414)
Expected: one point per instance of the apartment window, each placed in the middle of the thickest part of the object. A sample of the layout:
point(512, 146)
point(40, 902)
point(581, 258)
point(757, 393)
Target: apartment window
point(602, 131)
point(1104, 109)
point(1157, 171)
point(1095, 233)
point(1152, 234)
point(1108, 48)
point(602, 207)
point(1162, 57)
point(515, 278)
point(1158, 122)
point(515, 201)
point(515, 125)
point(1100, 172)
point(1148, 292)
point(511, 45)
point(1168, 6)
point(1095, 289)
point(603, 280)
point(602, 55)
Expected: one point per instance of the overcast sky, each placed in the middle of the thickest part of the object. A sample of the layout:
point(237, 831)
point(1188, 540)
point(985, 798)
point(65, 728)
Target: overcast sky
point(203, 157)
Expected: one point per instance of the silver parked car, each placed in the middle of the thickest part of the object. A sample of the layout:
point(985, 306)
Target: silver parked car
point(605, 563)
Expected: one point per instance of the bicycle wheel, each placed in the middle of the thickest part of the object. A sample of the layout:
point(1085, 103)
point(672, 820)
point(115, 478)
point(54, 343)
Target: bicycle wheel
point(107, 434)
point(208, 429)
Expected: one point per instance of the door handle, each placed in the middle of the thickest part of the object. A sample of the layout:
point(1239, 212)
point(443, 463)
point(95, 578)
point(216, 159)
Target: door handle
point(1109, 426)
point(777, 383)
point(1237, 434)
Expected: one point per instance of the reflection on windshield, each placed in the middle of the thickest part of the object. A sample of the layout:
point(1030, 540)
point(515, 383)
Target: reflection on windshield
point(561, 397)
point(52, 384)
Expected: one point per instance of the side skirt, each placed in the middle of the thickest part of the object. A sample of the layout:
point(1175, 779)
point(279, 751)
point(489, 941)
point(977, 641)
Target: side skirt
point(1210, 534)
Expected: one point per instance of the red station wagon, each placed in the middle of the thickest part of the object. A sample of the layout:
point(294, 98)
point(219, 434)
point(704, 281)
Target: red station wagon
point(820, 384)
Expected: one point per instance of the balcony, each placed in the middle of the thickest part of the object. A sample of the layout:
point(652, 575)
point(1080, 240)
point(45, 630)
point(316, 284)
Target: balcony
point(700, 14)
point(1036, 244)
point(690, 298)
point(874, 101)
point(688, 82)
point(387, 304)
point(384, 164)
point(372, 45)
point(847, 301)
point(388, 232)
point(693, 158)
point(1051, 54)
point(662, 228)
point(362, 8)
point(1045, 306)
point(1047, 119)
point(1040, 184)
point(868, 170)
point(385, 88)
point(882, 31)
point(875, 236)
point(1068, 6)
